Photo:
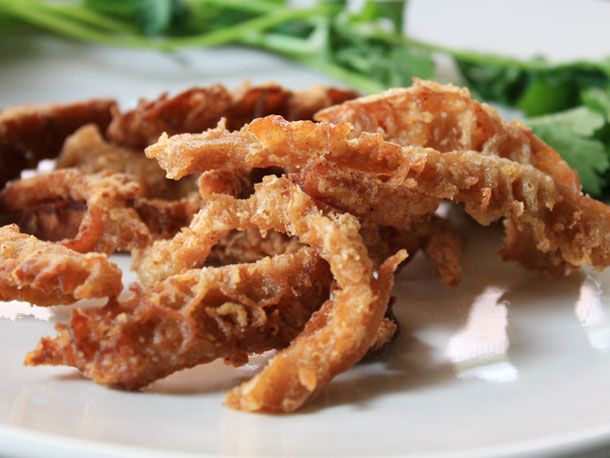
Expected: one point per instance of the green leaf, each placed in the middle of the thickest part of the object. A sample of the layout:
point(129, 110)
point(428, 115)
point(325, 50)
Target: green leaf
point(572, 134)
point(598, 100)
point(547, 94)
point(493, 82)
point(391, 10)
point(152, 17)
point(580, 121)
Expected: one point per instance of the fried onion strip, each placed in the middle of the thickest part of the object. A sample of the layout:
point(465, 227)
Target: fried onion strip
point(446, 118)
point(560, 217)
point(46, 273)
point(436, 237)
point(31, 133)
point(88, 151)
point(359, 301)
point(336, 337)
point(109, 224)
point(191, 318)
point(198, 109)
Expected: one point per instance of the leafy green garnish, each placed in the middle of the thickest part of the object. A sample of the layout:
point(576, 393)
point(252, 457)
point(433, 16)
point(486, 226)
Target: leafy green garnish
point(573, 133)
point(567, 104)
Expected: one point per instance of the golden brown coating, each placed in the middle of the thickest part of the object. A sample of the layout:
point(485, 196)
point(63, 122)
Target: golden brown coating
point(359, 301)
point(198, 109)
point(193, 110)
point(366, 197)
point(559, 216)
point(223, 181)
point(436, 237)
point(334, 339)
point(560, 220)
point(109, 223)
point(191, 318)
point(51, 221)
point(274, 142)
point(219, 217)
point(164, 218)
point(446, 118)
point(59, 220)
point(88, 151)
point(251, 102)
point(249, 246)
point(46, 273)
point(30, 133)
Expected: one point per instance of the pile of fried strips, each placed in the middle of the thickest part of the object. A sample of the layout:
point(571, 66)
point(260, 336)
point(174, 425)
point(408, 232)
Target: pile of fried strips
point(265, 219)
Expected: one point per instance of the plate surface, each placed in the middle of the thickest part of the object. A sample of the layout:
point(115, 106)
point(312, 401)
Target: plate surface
point(507, 364)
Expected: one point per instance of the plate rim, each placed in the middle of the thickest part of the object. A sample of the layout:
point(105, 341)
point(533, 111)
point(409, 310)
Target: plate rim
point(567, 444)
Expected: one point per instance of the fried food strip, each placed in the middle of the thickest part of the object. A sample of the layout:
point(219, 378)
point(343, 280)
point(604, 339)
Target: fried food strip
point(366, 197)
point(229, 182)
point(193, 110)
point(251, 102)
point(198, 109)
point(30, 133)
point(274, 142)
point(89, 152)
point(446, 118)
point(191, 318)
point(359, 301)
point(59, 220)
point(436, 236)
point(335, 338)
point(52, 221)
point(250, 246)
point(45, 273)
point(164, 218)
point(387, 331)
point(559, 217)
point(108, 225)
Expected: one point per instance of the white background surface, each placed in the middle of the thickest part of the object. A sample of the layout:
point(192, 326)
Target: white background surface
point(507, 364)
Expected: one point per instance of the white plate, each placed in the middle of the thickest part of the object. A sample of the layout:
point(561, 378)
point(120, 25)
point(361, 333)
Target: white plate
point(507, 364)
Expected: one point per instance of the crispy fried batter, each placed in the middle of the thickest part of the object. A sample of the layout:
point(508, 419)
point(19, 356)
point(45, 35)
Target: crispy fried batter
point(335, 338)
point(274, 142)
point(45, 273)
point(191, 318)
point(251, 102)
point(559, 216)
point(109, 223)
point(164, 218)
point(30, 133)
point(198, 109)
point(385, 335)
point(359, 301)
point(52, 221)
point(89, 152)
point(193, 110)
point(446, 118)
point(366, 197)
point(59, 220)
point(436, 236)
point(250, 246)
point(221, 181)
point(561, 220)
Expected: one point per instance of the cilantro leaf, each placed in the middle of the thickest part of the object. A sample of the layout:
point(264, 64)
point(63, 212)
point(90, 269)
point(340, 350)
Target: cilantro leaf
point(598, 100)
point(572, 133)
